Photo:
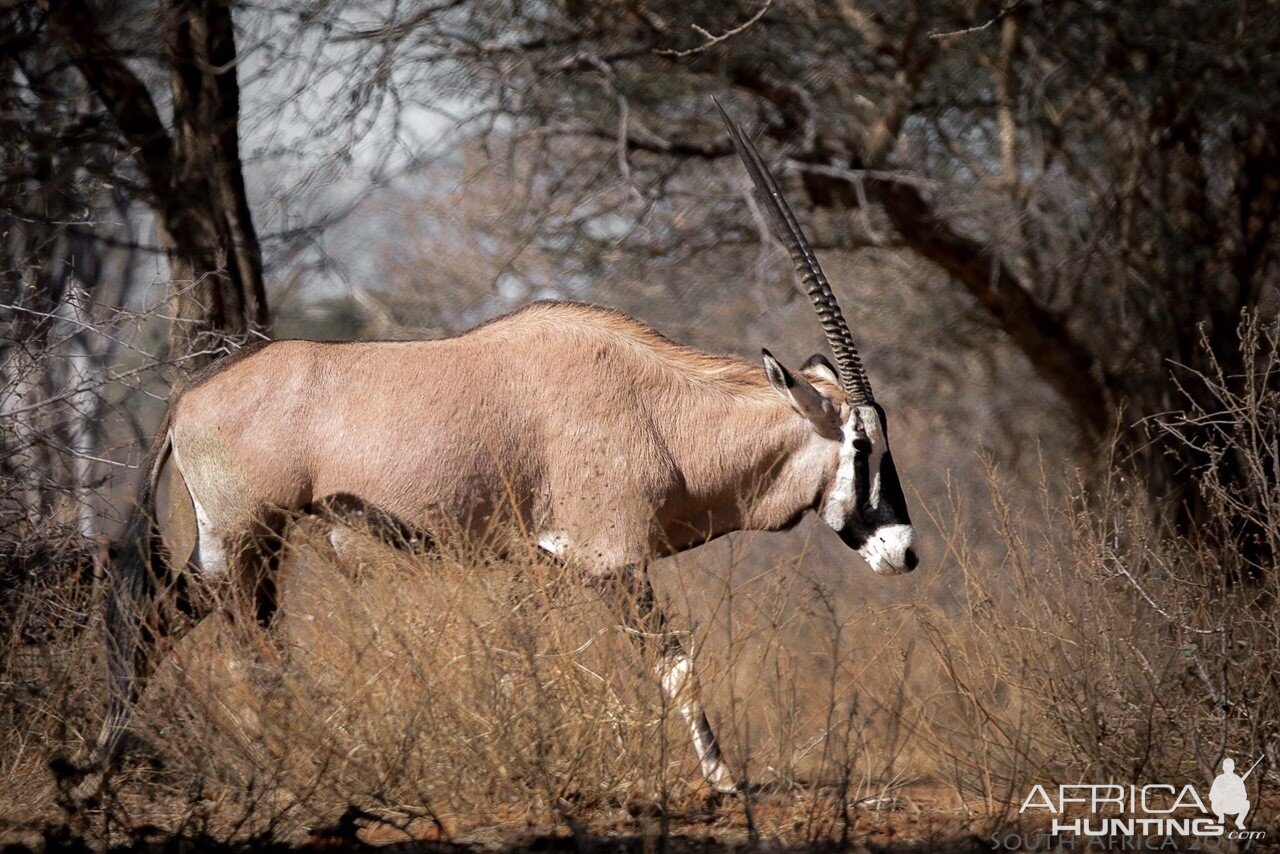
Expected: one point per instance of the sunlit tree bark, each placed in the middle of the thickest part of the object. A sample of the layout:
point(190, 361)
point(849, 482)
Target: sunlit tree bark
point(191, 170)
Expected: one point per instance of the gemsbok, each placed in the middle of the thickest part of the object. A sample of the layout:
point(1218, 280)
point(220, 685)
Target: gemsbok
point(605, 442)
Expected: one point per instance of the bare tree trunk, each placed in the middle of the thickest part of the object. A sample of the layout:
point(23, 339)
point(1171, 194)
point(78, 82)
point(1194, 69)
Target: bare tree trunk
point(20, 477)
point(192, 174)
point(84, 374)
point(214, 254)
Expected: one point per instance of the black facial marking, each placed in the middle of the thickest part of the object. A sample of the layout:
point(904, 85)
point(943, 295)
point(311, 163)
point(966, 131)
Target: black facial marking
point(854, 535)
point(884, 424)
point(861, 482)
point(892, 509)
point(891, 496)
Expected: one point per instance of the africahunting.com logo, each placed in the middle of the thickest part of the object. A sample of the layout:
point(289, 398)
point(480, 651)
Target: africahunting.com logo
point(1151, 817)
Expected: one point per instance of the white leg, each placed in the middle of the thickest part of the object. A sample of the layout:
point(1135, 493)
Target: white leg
point(211, 550)
point(648, 625)
point(210, 547)
point(676, 672)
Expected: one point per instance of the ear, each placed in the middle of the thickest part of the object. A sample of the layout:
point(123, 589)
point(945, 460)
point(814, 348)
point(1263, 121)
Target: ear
point(799, 392)
point(819, 364)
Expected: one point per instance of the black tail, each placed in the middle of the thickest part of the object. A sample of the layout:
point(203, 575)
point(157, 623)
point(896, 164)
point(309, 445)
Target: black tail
point(136, 618)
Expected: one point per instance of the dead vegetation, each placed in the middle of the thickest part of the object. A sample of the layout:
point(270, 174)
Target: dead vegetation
point(465, 699)
point(1048, 220)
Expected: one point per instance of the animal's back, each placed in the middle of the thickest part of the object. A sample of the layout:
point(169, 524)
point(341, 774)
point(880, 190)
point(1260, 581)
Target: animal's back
point(445, 430)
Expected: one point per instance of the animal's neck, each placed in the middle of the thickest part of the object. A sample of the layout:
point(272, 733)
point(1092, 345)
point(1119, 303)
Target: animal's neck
point(752, 465)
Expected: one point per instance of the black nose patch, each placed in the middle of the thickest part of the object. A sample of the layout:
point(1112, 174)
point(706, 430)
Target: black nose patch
point(910, 559)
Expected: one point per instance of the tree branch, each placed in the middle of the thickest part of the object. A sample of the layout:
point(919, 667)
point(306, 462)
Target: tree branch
point(1054, 353)
point(78, 31)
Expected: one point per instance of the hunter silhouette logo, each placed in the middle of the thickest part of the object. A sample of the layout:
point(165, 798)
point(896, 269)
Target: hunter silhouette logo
point(1228, 795)
point(1108, 814)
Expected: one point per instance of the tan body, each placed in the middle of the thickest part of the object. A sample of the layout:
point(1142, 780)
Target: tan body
point(613, 443)
point(571, 427)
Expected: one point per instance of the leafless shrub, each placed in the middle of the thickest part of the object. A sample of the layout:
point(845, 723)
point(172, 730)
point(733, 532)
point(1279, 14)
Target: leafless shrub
point(1106, 649)
point(462, 696)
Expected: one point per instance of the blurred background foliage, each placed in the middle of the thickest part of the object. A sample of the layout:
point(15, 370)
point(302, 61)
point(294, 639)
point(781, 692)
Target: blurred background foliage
point(1052, 226)
point(1046, 221)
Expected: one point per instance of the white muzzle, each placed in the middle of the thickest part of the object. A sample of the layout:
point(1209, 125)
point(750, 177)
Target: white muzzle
point(890, 550)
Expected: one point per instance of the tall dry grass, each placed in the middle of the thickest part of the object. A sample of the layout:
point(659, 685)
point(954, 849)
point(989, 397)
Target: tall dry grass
point(466, 697)
point(460, 695)
point(1106, 648)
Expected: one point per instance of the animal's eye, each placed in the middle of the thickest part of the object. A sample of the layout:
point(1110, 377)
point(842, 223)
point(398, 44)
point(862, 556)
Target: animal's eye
point(862, 445)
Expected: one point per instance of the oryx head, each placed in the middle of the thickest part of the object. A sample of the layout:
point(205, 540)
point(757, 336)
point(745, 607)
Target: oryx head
point(861, 497)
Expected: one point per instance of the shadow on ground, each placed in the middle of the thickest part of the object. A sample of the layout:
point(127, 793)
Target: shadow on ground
point(58, 840)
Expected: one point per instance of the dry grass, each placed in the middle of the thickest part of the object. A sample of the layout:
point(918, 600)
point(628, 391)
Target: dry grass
point(463, 698)
point(466, 699)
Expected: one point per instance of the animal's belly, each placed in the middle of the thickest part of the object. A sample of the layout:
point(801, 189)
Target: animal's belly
point(446, 491)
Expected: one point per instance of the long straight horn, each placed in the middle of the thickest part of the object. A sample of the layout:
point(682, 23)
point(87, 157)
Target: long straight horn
point(853, 377)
